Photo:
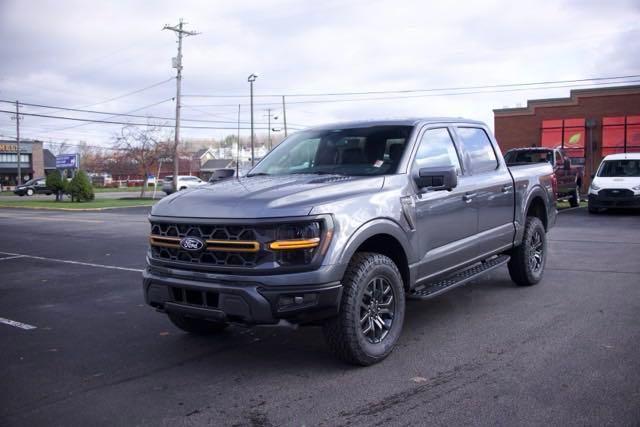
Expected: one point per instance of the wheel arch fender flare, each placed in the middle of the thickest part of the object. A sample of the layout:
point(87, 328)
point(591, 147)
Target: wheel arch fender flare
point(537, 192)
point(372, 228)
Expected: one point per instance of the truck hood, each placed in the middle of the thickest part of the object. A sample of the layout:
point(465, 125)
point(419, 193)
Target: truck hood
point(264, 196)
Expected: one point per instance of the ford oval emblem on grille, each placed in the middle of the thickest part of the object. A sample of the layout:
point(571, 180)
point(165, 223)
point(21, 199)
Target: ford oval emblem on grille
point(192, 243)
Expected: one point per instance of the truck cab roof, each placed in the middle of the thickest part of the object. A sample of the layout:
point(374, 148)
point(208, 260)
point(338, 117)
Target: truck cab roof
point(409, 121)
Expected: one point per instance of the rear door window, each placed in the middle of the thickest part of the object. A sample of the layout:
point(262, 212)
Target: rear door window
point(478, 149)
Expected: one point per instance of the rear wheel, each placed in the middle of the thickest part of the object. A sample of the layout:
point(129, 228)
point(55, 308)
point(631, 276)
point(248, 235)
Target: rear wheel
point(196, 326)
point(527, 262)
point(371, 311)
point(574, 201)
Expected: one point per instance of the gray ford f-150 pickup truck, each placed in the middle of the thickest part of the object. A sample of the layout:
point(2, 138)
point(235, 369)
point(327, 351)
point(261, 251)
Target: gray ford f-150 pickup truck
point(339, 224)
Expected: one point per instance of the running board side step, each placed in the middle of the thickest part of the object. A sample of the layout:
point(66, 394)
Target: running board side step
point(460, 278)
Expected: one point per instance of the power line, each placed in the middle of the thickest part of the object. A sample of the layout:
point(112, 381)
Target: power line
point(116, 123)
point(113, 114)
point(324, 101)
point(209, 114)
point(128, 93)
point(380, 92)
point(117, 115)
point(71, 144)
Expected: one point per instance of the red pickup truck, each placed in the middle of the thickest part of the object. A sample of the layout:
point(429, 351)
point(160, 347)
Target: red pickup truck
point(569, 176)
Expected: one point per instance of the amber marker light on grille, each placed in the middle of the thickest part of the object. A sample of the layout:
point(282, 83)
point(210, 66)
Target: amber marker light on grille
point(281, 245)
point(233, 246)
point(165, 242)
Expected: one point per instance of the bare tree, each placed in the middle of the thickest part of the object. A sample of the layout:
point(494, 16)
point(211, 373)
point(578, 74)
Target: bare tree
point(59, 148)
point(144, 147)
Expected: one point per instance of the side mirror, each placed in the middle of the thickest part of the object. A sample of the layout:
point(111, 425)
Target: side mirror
point(437, 178)
point(567, 164)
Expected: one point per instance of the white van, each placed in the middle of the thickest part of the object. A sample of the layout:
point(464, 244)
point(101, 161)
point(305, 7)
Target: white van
point(617, 183)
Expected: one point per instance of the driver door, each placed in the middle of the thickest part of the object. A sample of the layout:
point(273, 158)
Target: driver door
point(446, 221)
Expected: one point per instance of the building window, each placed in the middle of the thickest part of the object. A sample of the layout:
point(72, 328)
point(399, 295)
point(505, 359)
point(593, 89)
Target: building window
point(13, 158)
point(568, 134)
point(620, 134)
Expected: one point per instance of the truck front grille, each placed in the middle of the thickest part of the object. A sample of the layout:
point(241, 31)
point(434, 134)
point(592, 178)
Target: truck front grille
point(224, 245)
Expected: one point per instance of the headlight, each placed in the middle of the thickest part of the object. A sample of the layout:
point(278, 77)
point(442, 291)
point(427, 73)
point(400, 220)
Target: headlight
point(594, 187)
point(298, 243)
point(636, 188)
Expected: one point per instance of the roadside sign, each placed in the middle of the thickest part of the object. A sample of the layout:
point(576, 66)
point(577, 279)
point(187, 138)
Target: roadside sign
point(67, 161)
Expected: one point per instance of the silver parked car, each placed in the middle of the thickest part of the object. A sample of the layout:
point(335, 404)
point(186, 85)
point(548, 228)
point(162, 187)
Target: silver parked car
point(184, 182)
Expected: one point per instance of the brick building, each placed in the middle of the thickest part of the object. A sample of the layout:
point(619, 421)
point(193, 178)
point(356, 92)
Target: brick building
point(590, 124)
point(35, 162)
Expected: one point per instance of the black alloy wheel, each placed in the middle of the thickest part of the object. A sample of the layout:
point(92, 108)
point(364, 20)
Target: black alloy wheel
point(528, 259)
point(377, 310)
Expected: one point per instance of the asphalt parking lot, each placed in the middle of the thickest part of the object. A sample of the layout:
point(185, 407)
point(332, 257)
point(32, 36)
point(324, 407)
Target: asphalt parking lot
point(564, 352)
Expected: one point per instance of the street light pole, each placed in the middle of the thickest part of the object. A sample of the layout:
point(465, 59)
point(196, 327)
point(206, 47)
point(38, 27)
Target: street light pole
point(284, 116)
point(18, 142)
point(252, 78)
point(17, 118)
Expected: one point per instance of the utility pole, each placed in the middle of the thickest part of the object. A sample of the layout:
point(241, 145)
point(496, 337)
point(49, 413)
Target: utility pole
point(284, 116)
point(17, 118)
point(252, 78)
point(269, 126)
point(238, 147)
point(177, 64)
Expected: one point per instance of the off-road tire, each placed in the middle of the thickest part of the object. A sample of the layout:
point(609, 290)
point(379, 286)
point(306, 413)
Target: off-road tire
point(196, 326)
point(520, 268)
point(574, 200)
point(343, 333)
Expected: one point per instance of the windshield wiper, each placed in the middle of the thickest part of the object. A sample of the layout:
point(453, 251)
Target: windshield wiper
point(317, 173)
point(257, 174)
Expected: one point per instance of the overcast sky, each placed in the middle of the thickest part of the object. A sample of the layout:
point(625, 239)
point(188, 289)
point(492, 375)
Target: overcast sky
point(77, 54)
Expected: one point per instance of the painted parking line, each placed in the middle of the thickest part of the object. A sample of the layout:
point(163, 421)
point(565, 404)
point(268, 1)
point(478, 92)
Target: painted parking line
point(17, 324)
point(66, 261)
point(11, 257)
point(54, 218)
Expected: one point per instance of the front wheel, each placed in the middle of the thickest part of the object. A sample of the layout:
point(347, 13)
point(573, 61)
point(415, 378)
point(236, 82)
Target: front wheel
point(196, 326)
point(527, 262)
point(371, 311)
point(29, 191)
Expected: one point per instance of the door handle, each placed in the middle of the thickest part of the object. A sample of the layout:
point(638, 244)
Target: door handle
point(468, 197)
point(507, 188)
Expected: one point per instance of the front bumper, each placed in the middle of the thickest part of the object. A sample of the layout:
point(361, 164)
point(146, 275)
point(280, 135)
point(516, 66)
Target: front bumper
point(596, 201)
point(249, 302)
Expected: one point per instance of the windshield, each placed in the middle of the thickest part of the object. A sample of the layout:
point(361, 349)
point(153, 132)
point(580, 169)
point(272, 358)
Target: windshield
point(620, 168)
point(374, 150)
point(529, 156)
